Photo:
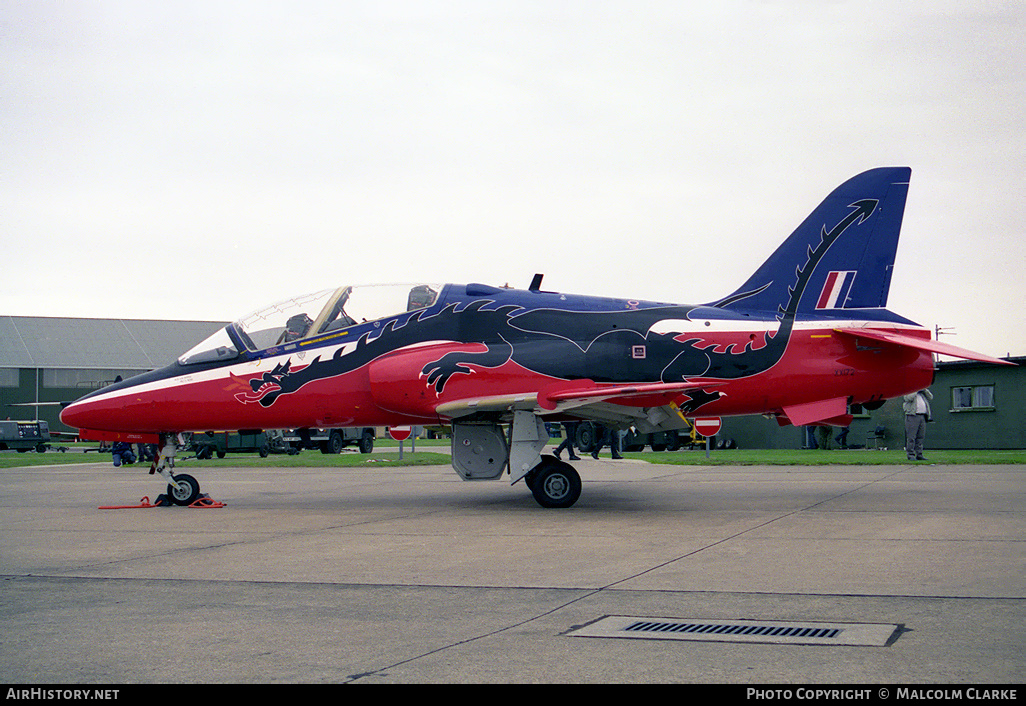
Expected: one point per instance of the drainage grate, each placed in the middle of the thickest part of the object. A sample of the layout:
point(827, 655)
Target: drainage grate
point(771, 631)
point(735, 629)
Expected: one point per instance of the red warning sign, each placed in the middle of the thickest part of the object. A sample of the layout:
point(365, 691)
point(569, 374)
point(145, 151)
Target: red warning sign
point(708, 426)
point(400, 433)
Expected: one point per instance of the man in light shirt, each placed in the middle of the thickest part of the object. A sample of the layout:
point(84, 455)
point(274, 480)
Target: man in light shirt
point(917, 414)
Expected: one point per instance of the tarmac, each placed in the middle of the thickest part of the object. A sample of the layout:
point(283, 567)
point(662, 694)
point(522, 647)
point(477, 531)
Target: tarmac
point(410, 575)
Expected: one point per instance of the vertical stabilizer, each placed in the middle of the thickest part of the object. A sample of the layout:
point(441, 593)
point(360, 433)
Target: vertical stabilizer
point(840, 257)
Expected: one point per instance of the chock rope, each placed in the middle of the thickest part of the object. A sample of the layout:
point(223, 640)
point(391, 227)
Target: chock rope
point(145, 502)
point(205, 501)
point(200, 503)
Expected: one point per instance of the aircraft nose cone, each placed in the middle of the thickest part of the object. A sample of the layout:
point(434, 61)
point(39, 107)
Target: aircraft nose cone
point(102, 411)
point(85, 414)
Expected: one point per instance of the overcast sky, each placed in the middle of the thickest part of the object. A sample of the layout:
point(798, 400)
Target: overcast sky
point(197, 160)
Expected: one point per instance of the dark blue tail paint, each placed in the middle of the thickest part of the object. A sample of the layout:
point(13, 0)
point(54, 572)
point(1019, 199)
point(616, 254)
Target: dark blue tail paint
point(849, 241)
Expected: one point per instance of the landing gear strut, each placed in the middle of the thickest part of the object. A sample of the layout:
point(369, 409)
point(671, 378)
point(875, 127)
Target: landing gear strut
point(182, 489)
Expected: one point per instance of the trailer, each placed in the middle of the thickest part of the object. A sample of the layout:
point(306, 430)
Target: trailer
point(24, 436)
point(210, 443)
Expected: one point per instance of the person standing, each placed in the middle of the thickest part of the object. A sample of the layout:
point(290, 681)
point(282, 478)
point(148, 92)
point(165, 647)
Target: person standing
point(917, 414)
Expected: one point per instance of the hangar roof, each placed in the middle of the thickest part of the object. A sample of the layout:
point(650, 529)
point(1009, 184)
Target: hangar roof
point(119, 344)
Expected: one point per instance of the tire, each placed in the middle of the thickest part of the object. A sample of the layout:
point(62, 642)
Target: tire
point(586, 437)
point(186, 492)
point(367, 442)
point(334, 444)
point(555, 484)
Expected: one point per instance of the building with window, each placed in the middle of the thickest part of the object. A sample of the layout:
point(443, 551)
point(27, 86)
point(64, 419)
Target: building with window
point(48, 360)
point(978, 406)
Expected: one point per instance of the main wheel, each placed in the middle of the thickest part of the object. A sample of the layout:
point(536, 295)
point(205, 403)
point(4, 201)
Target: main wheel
point(555, 484)
point(186, 492)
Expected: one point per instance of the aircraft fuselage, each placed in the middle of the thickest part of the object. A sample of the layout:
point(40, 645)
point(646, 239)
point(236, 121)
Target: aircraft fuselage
point(476, 341)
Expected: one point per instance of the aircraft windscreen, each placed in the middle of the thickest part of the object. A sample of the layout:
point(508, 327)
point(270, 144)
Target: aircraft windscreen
point(217, 347)
point(329, 310)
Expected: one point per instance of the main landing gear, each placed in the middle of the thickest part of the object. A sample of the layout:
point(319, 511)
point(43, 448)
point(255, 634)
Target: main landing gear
point(554, 483)
point(481, 451)
point(182, 489)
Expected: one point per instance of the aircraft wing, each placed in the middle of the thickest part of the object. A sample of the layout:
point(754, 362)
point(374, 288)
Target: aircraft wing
point(922, 344)
point(651, 402)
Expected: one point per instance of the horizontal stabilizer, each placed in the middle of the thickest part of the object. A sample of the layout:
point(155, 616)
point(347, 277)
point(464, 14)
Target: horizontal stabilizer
point(922, 344)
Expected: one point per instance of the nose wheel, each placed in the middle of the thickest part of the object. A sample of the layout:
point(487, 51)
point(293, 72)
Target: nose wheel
point(184, 491)
point(554, 483)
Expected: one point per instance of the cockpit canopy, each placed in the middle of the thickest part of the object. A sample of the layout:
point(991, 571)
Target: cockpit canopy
point(311, 315)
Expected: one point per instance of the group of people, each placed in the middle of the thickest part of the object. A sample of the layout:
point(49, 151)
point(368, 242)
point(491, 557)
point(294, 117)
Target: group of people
point(123, 453)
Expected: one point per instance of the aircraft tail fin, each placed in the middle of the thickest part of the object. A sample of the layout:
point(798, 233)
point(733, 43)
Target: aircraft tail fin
point(840, 257)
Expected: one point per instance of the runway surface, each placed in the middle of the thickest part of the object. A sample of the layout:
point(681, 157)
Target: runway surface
point(410, 575)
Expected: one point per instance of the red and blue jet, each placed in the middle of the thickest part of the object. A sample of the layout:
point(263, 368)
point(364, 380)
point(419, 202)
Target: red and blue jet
point(801, 340)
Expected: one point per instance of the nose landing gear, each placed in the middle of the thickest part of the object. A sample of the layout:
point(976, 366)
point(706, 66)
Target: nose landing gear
point(182, 489)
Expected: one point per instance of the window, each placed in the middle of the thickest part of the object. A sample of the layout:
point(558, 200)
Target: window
point(976, 397)
point(9, 377)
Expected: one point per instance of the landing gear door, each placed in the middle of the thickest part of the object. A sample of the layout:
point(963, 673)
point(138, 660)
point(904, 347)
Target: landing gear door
point(479, 451)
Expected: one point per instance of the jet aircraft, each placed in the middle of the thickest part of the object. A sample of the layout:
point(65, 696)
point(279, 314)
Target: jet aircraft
point(804, 337)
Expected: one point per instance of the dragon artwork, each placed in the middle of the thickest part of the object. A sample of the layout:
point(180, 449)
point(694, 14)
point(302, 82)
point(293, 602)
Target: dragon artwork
point(566, 344)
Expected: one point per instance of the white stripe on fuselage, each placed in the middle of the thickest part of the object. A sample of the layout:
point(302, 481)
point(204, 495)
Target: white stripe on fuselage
point(246, 370)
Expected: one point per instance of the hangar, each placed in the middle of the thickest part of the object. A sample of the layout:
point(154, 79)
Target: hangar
point(47, 360)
